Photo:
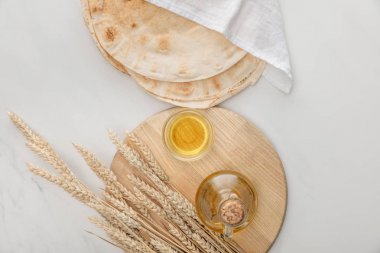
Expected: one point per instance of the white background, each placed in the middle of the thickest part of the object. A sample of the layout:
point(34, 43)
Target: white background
point(327, 131)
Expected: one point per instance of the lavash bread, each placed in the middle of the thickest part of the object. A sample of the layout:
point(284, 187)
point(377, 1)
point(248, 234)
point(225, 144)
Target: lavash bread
point(197, 94)
point(208, 92)
point(159, 44)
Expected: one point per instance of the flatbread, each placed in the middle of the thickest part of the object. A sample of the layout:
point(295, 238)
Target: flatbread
point(159, 44)
point(231, 81)
point(198, 94)
point(210, 101)
point(88, 21)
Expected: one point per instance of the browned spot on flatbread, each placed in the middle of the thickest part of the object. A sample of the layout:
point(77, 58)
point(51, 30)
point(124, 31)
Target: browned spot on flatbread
point(183, 70)
point(183, 89)
point(110, 34)
point(154, 85)
point(133, 25)
point(205, 89)
point(216, 83)
point(95, 6)
point(142, 40)
point(163, 43)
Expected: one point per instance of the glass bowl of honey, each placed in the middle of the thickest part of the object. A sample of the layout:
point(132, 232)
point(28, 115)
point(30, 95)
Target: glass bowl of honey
point(188, 134)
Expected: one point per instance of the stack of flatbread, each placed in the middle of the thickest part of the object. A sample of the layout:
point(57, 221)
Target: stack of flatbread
point(172, 58)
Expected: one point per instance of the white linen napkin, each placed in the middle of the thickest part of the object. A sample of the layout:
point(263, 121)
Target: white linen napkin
point(254, 25)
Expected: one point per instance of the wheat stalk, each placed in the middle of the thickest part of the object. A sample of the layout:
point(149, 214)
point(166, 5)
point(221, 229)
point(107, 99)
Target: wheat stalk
point(175, 198)
point(110, 179)
point(148, 203)
point(170, 213)
point(203, 243)
point(119, 236)
point(126, 217)
point(108, 211)
point(135, 160)
point(73, 189)
point(214, 239)
point(162, 247)
point(121, 206)
point(129, 154)
point(41, 147)
point(149, 157)
point(105, 174)
point(183, 239)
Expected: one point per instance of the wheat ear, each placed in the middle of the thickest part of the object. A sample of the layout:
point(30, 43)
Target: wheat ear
point(170, 213)
point(85, 197)
point(110, 179)
point(73, 189)
point(109, 211)
point(42, 148)
point(183, 239)
point(175, 198)
point(148, 203)
point(205, 245)
point(135, 160)
point(103, 173)
point(162, 247)
point(214, 239)
point(149, 157)
point(122, 206)
point(129, 154)
point(119, 236)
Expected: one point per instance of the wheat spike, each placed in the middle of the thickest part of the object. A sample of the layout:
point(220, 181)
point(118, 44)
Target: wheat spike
point(42, 148)
point(108, 211)
point(205, 245)
point(175, 198)
point(149, 157)
point(148, 203)
point(121, 205)
point(105, 174)
point(183, 239)
point(135, 160)
point(129, 154)
point(168, 209)
point(214, 239)
point(85, 196)
point(26, 131)
point(73, 189)
point(162, 247)
point(119, 236)
point(110, 180)
point(124, 210)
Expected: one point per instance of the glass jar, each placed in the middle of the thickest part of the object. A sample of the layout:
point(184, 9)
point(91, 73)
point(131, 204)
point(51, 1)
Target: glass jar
point(226, 202)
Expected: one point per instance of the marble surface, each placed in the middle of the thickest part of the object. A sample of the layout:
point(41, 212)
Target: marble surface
point(326, 130)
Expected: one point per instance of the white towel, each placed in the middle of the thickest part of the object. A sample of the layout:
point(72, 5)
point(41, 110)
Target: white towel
point(254, 25)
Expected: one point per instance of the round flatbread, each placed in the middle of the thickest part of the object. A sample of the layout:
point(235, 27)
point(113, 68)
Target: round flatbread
point(217, 99)
point(208, 92)
point(159, 44)
point(198, 94)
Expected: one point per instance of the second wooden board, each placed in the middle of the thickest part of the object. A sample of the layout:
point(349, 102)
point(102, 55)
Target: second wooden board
point(239, 146)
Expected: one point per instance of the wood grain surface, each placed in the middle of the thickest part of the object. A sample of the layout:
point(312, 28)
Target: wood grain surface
point(239, 146)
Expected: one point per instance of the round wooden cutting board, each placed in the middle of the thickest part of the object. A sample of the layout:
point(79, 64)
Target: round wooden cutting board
point(239, 146)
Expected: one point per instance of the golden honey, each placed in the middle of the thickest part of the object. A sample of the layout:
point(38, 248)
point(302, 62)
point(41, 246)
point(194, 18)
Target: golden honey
point(188, 134)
